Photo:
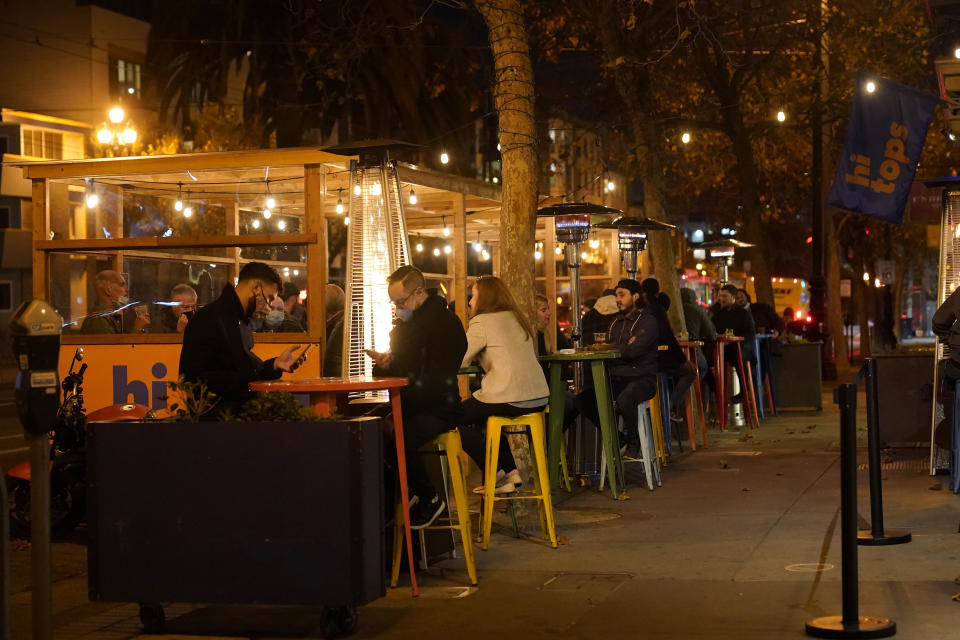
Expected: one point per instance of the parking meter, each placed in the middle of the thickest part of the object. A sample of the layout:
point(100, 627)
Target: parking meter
point(35, 328)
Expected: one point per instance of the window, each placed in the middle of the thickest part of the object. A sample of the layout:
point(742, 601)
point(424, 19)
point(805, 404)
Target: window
point(124, 78)
point(41, 143)
point(6, 295)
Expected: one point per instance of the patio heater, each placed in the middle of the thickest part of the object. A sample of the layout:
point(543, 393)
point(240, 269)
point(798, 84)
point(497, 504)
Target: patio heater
point(720, 253)
point(632, 238)
point(376, 246)
point(572, 224)
point(948, 281)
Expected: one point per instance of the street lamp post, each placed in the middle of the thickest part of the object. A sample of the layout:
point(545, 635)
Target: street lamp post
point(119, 133)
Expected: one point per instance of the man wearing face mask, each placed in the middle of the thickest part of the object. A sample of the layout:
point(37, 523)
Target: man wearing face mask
point(426, 345)
point(174, 319)
point(277, 320)
point(108, 315)
point(218, 341)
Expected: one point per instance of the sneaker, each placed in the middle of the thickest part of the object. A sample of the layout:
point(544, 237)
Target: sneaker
point(506, 483)
point(422, 514)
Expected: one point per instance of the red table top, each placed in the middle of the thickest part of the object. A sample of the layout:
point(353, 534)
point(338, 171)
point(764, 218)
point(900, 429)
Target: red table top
point(691, 343)
point(330, 384)
point(723, 338)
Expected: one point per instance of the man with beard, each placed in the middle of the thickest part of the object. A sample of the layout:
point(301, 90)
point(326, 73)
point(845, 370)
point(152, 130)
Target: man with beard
point(633, 376)
point(218, 341)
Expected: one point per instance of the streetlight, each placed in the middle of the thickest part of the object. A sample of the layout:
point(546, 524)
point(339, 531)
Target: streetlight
point(632, 238)
point(118, 132)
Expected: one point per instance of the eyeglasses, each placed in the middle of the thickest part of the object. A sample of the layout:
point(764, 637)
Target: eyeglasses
point(403, 301)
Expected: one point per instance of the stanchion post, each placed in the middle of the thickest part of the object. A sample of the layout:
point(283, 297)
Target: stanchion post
point(5, 559)
point(876, 536)
point(851, 624)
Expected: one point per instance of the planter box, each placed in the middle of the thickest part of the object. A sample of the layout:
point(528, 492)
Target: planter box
point(273, 513)
point(795, 376)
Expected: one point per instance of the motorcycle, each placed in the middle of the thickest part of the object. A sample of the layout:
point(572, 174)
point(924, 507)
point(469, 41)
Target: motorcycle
point(68, 460)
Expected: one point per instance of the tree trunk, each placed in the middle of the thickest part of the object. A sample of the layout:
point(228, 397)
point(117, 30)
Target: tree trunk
point(514, 99)
point(633, 85)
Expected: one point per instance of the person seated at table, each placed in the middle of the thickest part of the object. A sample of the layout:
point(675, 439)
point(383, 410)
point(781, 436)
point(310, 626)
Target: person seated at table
point(277, 320)
point(597, 321)
point(670, 360)
point(765, 317)
point(699, 326)
point(633, 376)
point(218, 341)
point(110, 314)
point(174, 318)
point(427, 344)
point(731, 317)
point(292, 305)
point(503, 342)
point(543, 321)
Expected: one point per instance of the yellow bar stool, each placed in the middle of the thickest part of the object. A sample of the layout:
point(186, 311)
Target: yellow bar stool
point(656, 413)
point(541, 479)
point(449, 444)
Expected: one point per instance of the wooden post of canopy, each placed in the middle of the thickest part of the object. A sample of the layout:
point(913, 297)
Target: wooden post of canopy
point(314, 220)
point(613, 257)
point(41, 231)
point(231, 210)
point(460, 256)
point(550, 280)
point(109, 215)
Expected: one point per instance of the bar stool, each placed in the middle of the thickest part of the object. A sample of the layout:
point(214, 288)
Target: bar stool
point(648, 456)
point(449, 445)
point(661, 434)
point(535, 423)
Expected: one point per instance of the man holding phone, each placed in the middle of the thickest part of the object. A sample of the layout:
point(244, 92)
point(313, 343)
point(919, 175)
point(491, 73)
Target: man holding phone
point(426, 345)
point(218, 341)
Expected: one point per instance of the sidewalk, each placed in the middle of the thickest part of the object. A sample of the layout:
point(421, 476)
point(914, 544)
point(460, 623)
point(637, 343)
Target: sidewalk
point(727, 548)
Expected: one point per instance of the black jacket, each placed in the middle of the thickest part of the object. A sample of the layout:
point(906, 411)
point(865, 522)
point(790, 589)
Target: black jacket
point(765, 318)
point(945, 324)
point(737, 319)
point(637, 358)
point(217, 347)
point(673, 357)
point(428, 350)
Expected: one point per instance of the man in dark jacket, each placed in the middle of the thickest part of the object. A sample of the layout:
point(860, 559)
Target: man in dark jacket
point(947, 328)
point(734, 318)
point(699, 326)
point(427, 346)
point(633, 375)
point(218, 341)
point(765, 317)
point(672, 360)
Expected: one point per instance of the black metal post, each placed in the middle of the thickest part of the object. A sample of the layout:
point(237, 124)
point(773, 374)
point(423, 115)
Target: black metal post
point(851, 624)
point(42, 600)
point(5, 551)
point(876, 536)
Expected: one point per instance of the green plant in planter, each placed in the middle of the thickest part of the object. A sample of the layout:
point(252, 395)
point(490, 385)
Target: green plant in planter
point(273, 406)
point(194, 400)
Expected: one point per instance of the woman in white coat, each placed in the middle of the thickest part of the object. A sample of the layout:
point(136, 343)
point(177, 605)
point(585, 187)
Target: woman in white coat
point(504, 344)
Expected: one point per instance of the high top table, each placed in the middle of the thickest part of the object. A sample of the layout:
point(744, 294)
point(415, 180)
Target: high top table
point(608, 420)
point(328, 394)
point(719, 376)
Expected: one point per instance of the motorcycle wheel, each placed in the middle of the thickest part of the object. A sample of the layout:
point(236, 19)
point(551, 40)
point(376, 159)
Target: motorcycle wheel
point(67, 510)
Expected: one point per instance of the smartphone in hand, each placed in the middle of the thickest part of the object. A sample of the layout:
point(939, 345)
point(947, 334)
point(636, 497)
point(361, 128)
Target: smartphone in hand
point(300, 359)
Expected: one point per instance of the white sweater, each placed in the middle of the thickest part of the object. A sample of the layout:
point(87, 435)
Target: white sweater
point(508, 357)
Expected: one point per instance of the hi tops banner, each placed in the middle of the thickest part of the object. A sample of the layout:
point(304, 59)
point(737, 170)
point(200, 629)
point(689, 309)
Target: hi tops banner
point(885, 136)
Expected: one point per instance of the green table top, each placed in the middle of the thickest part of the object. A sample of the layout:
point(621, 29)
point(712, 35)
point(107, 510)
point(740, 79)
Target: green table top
point(468, 370)
point(580, 355)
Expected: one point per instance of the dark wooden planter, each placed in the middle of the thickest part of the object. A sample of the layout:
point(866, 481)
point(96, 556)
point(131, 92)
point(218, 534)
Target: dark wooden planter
point(267, 513)
point(795, 376)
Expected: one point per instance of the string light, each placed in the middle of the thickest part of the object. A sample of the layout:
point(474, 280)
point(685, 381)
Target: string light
point(267, 213)
point(476, 245)
point(685, 138)
point(187, 211)
point(419, 246)
point(781, 116)
point(413, 197)
point(269, 201)
point(956, 52)
point(178, 205)
point(484, 255)
point(339, 203)
point(495, 179)
point(256, 223)
point(444, 158)
point(558, 251)
point(436, 251)
point(92, 198)
point(281, 224)
point(446, 229)
point(611, 186)
point(537, 255)
point(447, 249)
point(346, 220)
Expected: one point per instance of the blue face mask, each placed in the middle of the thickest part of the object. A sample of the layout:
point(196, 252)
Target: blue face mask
point(405, 314)
point(274, 319)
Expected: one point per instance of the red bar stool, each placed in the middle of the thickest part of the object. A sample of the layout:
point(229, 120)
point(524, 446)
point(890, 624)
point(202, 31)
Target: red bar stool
point(690, 347)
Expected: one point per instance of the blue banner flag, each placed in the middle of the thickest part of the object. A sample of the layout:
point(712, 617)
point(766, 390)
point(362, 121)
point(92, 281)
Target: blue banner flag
point(885, 134)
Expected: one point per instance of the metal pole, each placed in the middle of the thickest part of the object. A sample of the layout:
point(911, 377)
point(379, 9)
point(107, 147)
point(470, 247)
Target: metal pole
point(5, 559)
point(40, 536)
point(876, 535)
point(850, 624)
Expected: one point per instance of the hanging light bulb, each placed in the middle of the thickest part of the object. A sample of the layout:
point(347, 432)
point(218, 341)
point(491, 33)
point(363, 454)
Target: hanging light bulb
point(339, 203)
point(537, 255)
point(476, 245)
point(446, 229)
point(611, 185)
point(256, 223)
point(685, 138)
point(270, 201)
point(187, 211)
point(281, 224)
point(92, 199)
point(346, 220)
point(781, 116)
point(436, 251)
point(413, 197)
point(116, 115)
point(484, 255)
point(498, 146)
point(419, 246)
point(444, 158)
point(178, 205)
point(267, 213)
point(357, 190)
point(447, 249)
point(495, 179)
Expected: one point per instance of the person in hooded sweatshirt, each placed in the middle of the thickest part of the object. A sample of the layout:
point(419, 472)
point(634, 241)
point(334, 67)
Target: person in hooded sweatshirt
point(600, 317)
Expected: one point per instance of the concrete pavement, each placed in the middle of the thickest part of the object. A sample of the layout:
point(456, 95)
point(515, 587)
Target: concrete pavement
point(742, 541)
